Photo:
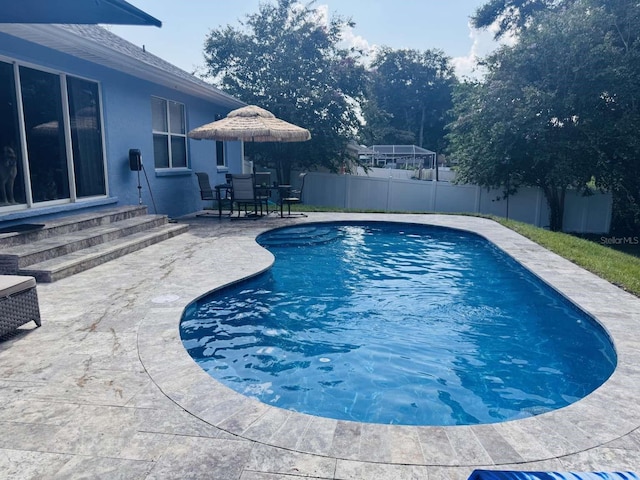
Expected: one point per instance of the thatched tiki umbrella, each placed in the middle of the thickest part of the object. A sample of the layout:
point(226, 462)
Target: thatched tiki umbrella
point(251, 124)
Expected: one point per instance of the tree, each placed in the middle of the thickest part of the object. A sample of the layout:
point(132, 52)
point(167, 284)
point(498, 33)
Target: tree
point(616, 64)
point(511, 16)
point(409, 96)
point(378, 127)
point(580, 57)
point(531, 121)
point(287, 60)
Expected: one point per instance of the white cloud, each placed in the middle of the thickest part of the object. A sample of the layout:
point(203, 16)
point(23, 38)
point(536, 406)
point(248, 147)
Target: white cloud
point(482, 44)
point(322, 11)
point(356, 41)
point(349, 38)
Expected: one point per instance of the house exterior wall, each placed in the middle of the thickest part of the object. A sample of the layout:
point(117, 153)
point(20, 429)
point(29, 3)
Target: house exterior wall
point(126, 109)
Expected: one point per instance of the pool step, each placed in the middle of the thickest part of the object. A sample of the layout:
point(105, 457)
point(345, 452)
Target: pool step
point(299, 236)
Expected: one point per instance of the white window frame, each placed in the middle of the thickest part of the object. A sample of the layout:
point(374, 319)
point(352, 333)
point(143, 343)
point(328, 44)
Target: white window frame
point(169, 135)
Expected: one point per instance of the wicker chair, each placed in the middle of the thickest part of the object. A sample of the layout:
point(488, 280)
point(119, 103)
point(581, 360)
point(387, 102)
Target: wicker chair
point(18, 302)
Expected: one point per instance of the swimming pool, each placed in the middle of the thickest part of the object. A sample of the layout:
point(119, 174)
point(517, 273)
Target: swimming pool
point(405, 324)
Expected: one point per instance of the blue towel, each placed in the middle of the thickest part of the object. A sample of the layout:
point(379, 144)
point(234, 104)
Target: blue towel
point(514, 475)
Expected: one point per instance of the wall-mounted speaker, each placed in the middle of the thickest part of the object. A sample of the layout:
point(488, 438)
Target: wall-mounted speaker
point(135, 160)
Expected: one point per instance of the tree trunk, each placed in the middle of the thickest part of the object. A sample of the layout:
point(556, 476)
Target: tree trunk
point(555, 200)
point(421, 134)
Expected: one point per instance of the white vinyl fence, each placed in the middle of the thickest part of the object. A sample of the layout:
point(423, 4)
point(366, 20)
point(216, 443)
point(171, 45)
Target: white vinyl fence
point(583, 214)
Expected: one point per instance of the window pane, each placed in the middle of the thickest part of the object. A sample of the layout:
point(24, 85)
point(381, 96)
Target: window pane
point(161, 151)
point(176, 117)
point(178, 152)
point(174, 139)
point(220, 154)
point(42, 103)
point(11, 175)
point(158, 114)
point(86, 137)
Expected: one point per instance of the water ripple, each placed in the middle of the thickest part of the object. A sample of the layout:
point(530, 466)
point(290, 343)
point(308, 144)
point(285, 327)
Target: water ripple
point(397, 324)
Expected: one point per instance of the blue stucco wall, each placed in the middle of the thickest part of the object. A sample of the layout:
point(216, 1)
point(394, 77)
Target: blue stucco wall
point(126, 102)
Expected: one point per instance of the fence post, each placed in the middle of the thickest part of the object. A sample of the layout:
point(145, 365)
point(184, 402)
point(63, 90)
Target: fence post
point(585, 213)
point(347, 190)
point(434, 186)
point(539, 196)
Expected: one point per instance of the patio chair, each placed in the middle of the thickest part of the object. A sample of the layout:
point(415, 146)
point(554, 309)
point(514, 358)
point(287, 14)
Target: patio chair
point(289, 196)
point(206, 192)
point(243, 193)
point(221, 197)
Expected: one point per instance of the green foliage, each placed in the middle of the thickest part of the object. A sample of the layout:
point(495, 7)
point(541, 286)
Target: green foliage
point(559, 108)
point(409, 97)
point(286, 59)
point(511, 16)
point(616, 64)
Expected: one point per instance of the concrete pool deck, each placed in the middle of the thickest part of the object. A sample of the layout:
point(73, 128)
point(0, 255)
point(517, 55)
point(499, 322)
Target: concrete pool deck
point(104, 389)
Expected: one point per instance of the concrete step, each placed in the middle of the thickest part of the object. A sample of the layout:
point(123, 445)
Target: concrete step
point(21, 256)
point(65, 265)
point(70, 223)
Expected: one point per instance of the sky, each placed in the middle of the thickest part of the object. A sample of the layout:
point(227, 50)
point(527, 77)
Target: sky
point(415, 24)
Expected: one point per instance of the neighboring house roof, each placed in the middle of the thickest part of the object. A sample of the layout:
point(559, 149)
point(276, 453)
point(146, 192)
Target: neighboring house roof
point(401, 150)
point(98, 45)
point(355, 149)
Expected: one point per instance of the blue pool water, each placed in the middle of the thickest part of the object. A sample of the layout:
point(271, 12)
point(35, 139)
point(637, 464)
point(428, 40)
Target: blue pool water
point(397, 324)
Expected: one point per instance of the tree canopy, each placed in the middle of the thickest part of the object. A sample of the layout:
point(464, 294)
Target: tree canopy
point(510, 16)
point(408, 98)
point(287, 59)
point(559, 109)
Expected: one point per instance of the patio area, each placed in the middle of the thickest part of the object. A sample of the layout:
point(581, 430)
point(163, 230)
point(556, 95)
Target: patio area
point(105, 389)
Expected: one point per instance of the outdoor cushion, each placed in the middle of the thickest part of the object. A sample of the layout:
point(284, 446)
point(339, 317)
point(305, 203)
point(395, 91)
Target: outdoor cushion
point(18, 302)
point(11, 284)
point(514, 475)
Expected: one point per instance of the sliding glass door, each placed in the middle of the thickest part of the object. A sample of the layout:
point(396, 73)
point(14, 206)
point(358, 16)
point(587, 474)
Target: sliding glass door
point(46, 146)
point(12, 180)
point(86, 137)
point(51, 124)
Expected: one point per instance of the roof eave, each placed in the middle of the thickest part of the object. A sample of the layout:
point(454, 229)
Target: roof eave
point(67, 42)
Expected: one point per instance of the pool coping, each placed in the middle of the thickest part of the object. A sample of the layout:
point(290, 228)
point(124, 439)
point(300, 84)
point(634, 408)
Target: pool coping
point(608, 413)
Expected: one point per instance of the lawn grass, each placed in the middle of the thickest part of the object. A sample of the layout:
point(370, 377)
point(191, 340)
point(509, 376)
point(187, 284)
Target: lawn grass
point(621, 268)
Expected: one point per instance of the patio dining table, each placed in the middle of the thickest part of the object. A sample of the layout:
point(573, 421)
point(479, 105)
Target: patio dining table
point(224, 195)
